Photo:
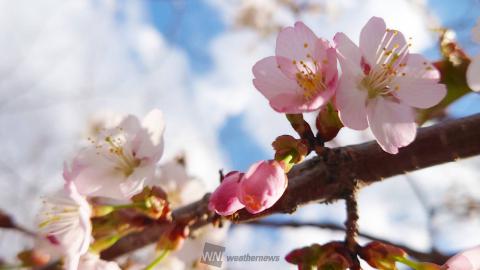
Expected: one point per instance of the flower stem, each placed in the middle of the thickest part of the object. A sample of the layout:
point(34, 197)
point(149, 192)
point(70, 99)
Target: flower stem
point(407, 262)
point(103, 243)
point(302, 128)
point(157, 260)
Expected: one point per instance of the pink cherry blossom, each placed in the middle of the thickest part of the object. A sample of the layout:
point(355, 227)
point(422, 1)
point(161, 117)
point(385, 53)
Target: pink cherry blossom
point(262, 185)
point(65, 222)
point(466, 260)
point(382, 82)
point(119, 160)
point(224, 199)
point(473, 71)
point(92, 261)
point(302, 76)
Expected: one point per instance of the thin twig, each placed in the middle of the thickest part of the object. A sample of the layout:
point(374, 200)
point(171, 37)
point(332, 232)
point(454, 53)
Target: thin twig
point(420, 255)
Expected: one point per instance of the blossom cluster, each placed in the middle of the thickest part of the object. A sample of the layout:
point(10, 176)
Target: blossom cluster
point(115, 166)
point(380, 83)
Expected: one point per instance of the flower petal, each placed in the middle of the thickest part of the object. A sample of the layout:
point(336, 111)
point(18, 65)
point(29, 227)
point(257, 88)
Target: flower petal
point(296, 42)
point(473, 74)
point(417, 84)
point(370, 38)
point(149, 139)
point(349, 55)
point(269, 80)
point(380, 45)
point(466, 260)
point(262, 186)
point(154, 123)
point(392, 124)
point(351, 103)
point(419, 93)
point(326, 57)
point(224, 200)
point(295, 103)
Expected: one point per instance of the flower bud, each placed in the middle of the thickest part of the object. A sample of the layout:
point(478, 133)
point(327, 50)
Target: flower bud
point(332, 256)
point(286, 145)
point(382, 256)
point(263, 184)
point(154, 202)
point(224, 200)
point(328, 123)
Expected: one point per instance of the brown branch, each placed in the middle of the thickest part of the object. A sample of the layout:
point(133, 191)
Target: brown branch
point(432, 256)
point(7, 222)
point(329, 176)
point(351, 225)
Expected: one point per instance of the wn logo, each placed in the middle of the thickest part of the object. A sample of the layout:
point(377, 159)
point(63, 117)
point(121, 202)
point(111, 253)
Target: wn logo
point(212, 255)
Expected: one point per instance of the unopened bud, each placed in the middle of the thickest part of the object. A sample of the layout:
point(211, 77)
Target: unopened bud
point(328, 123)
point(332, 256)
point(286, 145)
point(382, 256)
point(154, 202)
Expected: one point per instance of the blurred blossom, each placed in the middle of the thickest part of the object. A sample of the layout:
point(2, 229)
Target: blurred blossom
point(120, 159)
point(92, 261)
point(173, 178)
point(65, 222)
point(182, 189)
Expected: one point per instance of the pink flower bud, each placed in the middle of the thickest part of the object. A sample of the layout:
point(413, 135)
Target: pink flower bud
point(224, 200)
point(262, 185)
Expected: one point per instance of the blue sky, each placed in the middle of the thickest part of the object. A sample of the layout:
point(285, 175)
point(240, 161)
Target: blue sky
point(192, 26)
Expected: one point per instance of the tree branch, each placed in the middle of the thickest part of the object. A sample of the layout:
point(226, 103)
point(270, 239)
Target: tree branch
point(432, 256)
point(328, 177)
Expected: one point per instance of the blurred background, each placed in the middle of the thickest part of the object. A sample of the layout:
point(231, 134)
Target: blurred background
point(65, 64)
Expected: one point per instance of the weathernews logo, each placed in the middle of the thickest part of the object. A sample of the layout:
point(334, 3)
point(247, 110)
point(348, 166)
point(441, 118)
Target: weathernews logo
point(214, 255)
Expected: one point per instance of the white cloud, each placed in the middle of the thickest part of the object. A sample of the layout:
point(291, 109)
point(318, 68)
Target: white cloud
point(61, 62)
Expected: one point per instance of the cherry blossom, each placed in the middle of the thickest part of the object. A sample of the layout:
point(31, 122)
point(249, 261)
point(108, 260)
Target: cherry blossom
point(382, 82)
point(302, 76)
point(262, 185)
point(466, 260)
point(473, 71)
point(65, 222)
point(224, 199)
point(119, 160)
